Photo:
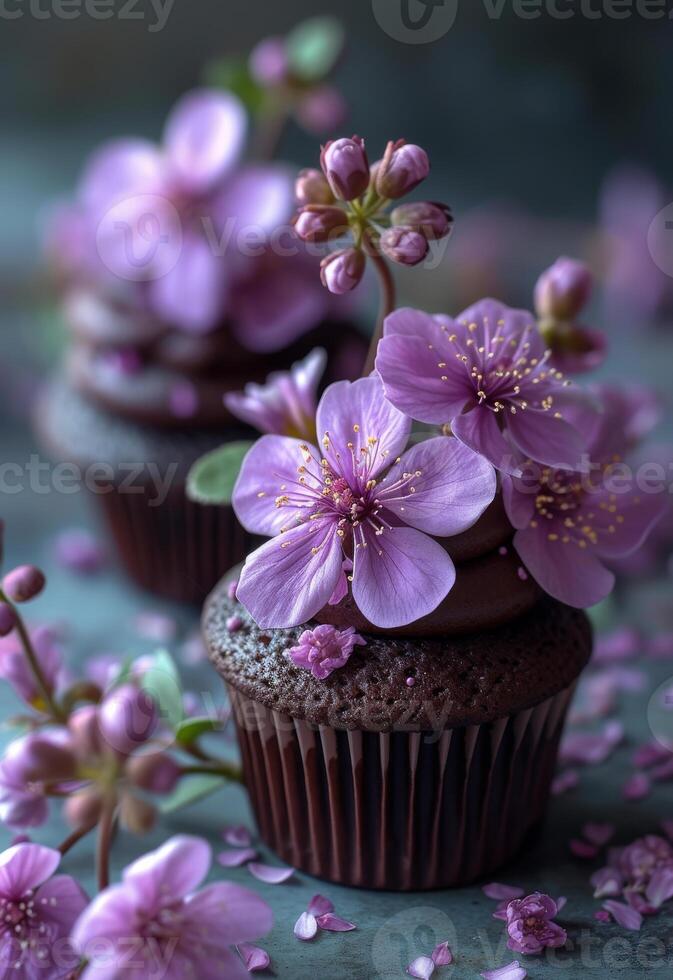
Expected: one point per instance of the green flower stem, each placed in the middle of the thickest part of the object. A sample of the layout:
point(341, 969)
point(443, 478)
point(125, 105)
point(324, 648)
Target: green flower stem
point(74, 838)
point(40, 681)
point(386, 307)
point(106, 826)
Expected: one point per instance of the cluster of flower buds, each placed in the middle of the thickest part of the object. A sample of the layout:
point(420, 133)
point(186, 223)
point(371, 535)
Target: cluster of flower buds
point(561, 294)
point(349, 200)
point(104, 756)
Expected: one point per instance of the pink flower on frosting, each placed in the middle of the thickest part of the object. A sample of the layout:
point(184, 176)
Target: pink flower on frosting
point(324, 649)
point(488, 374)
point(355, 498)
point(530, 927)
point(286, 404)
point(570, 524)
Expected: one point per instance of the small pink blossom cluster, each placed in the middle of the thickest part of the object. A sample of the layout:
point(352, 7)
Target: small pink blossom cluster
point(641, 874)
point(350, 198)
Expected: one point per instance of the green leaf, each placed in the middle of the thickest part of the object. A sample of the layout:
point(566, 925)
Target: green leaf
point(234, 75)
point(162, 682)
point(190, 790)
point(313, 48)
point(211, 479)
point(192, 728)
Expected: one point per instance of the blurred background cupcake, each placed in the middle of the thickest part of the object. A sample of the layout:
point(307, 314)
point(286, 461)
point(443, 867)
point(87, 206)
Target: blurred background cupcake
point(181, 279)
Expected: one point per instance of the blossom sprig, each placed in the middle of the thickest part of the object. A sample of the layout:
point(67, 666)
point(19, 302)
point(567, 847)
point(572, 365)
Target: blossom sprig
point(349, 202)
point(561, 294)
point(107, 756)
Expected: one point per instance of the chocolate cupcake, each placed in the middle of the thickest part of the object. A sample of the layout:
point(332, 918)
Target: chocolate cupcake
point(401, 729)
point(426, 760)
point(182, 281)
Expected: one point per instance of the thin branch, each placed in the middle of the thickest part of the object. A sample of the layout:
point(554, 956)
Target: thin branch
point(103, 845)
point(386, 307)
point(74, 838)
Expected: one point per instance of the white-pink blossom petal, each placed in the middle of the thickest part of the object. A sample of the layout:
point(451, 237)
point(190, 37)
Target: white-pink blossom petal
point(237, 836)
point(660, 887)
point(442, 954)
point(502, 892)
point(236, 857)
point(268, 874)
point(513, 971)
point(305, 927)
point(254, 958)
point(334, 923)
point(422, 968)
point(319, 905)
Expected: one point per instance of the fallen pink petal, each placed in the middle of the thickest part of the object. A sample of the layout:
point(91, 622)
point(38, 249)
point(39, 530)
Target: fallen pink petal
point(513, 971)
point(319, 905)
point(237, 857)
point(502, 892)
point(422, 968)
point(583, 849)
point(624, 915)
point(565, 781)
point(268, 874)
point(237, 836)
point(607, 883)
point(334, 923)
point(599, 834)
point(254, 958)
point(637, 787)
point(306, 927)
point(660, 887)
point(442, 955)
point(622, 644)
point(591, 748)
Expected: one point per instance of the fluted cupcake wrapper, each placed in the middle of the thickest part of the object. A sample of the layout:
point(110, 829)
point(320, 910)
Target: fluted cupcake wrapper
point(403, 810)
point(177, 549)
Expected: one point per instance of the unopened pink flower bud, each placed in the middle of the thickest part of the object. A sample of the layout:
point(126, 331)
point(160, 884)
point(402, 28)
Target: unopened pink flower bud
point(342, 271)
point(322, 110)
point(43, 759)
point(312, 188)
point(403, 167)
point(23, 583)
point(344, 163)
point(85, 732)
point(156, 773)
point(319, 223)
point(404, 245)
point(430, 219)
point(563, 289)
point(127, 718)
point(7, 619)
point(83, 810)
point(268, 62)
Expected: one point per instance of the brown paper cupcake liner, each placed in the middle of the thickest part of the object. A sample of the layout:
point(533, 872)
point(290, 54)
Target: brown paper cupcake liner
point(177, 549)
point(403, 810)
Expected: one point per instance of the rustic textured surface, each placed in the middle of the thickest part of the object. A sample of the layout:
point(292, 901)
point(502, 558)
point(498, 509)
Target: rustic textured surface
point(463, 680)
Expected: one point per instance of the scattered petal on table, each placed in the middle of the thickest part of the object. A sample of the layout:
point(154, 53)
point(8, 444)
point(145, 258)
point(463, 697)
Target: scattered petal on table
point(565, 781)
point(624, 915)
point(606, 882)
point(582, 849)
point(422, 968)
point(513, 971)
point(268, 874)
point(236, 857)
point(306, 926)
point(660, 887)
point(561, 902)
point(598, 833)
point(442, 955)
point(237, 836)
point(334, 923)
point(637, 787)
point(319, 905)
point(253, 957)
point(502, 892)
